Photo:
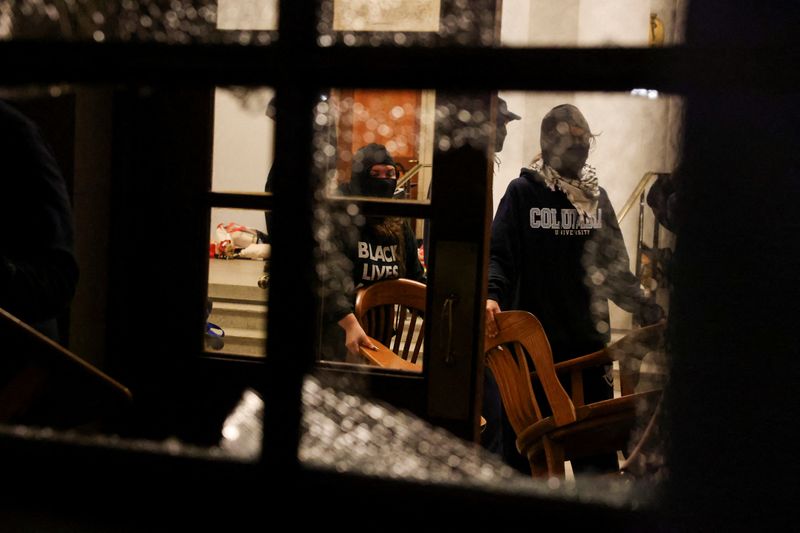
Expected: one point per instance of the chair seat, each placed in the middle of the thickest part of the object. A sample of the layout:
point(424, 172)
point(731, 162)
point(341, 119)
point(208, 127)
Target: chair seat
point(385, 358)
point(600, 426)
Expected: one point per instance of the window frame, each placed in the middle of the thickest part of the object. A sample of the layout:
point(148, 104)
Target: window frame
point(673, 69)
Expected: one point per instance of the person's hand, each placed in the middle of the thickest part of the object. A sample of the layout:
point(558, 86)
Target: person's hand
point(653, 314)
point(355, 335)
point(492, 308)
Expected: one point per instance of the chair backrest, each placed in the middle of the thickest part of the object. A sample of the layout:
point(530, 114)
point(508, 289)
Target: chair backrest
point(521, 333)
point(393, 312)
point(574, 429)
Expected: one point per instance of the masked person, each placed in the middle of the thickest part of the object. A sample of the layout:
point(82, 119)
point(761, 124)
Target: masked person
point(381, 248)
point(557, 251)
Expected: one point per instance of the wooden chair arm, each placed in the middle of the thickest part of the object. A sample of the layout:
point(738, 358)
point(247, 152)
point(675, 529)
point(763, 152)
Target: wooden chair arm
point(385, 358)
point(600, 357)
point(573, 368)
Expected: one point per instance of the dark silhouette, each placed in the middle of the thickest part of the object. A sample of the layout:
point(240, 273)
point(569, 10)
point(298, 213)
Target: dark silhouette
point(38, 271)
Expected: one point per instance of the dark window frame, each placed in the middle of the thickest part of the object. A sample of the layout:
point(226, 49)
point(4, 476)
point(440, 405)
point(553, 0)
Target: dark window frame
point(676, 69)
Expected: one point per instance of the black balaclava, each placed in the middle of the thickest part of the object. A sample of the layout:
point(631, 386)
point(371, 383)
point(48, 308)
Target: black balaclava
point(361, 183)
point(565, 139)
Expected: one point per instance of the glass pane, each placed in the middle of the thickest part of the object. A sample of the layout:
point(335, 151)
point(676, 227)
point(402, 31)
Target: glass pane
point(402, 121)
point(637, 137)
point(515, 23)
point(633, 147)
point(379, 146)
point(417, 23)
point(238, 283)
point(166, 21)
point(583, 23)
point(373, 276)
point(142, 290)
point(46, 148)
point(579, 239)
point(244, 139)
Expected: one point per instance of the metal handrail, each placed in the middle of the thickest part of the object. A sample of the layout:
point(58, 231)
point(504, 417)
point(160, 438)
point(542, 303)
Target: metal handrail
point(413, 171)
point(636, 193)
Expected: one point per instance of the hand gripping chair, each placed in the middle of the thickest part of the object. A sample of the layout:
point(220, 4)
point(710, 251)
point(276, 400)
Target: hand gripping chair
point(567, 429)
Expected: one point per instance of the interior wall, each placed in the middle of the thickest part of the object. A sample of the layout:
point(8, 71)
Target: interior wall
point(613, 23)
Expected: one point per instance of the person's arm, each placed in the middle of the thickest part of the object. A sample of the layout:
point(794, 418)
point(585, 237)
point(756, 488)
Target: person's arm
point(619, 284)
point(414, 269)
point(504, 256)
point(355, 335)
point(337, 286)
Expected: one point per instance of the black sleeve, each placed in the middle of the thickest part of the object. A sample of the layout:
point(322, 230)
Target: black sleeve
point(505, 249)
point(426, 234)
point(38, 271)
point(619, 284)
point(335, 266)
point(414, 268)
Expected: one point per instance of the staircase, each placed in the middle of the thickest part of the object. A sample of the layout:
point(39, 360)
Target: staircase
point(239, 306)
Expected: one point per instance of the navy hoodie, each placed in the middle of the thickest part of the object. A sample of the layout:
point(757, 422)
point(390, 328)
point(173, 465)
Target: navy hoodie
point(547, 260)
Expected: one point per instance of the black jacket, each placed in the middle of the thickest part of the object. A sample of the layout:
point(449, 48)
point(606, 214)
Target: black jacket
point(38, 271)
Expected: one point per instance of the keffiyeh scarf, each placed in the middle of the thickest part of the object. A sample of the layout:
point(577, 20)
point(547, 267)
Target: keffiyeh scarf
point(583, 193)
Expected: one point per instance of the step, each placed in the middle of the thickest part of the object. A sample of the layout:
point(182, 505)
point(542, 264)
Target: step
point(235, 280)
point(221, 292)
point(240, 314)
point(243, 342)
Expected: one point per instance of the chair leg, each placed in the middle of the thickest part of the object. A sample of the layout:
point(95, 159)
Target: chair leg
point(538, 464)
point(554, 455)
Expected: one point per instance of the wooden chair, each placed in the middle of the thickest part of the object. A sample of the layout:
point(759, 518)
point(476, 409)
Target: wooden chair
point(392, 312)
point(569, 428)
point(43, 384)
